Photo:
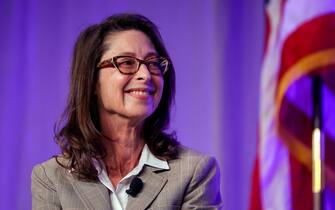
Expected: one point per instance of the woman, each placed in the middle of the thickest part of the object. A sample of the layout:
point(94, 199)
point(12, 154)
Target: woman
point(115, 151)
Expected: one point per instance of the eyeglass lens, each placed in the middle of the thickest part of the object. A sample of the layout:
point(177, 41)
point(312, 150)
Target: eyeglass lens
point(131, 64)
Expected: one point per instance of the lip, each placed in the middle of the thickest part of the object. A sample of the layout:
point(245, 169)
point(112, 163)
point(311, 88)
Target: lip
point(146, 89)
point(140, 93)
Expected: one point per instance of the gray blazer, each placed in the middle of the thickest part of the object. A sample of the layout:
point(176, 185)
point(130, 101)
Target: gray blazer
point(192, 182)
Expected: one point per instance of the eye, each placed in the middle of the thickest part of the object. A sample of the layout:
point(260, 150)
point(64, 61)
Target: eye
point(154, 62)
point(126, 62)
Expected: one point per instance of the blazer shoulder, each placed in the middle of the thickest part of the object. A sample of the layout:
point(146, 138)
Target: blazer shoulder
point(50, 170)
point(52, 163)
point(187, 154)
point(189, 160)
point(200, 175)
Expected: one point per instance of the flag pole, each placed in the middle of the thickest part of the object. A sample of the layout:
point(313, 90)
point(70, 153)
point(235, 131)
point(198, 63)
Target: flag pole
point(317, 145)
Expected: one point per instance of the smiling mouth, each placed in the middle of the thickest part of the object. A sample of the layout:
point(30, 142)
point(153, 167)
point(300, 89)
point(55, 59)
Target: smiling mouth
point(140, 92)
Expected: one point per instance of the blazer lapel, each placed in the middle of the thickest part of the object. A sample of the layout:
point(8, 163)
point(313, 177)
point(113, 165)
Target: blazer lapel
point(152, 185)
point(93, 195)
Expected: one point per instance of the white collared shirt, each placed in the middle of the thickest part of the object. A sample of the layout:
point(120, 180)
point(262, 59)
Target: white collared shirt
point(118, 196)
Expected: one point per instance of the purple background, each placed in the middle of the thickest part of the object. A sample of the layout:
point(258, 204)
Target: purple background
point(216, 47)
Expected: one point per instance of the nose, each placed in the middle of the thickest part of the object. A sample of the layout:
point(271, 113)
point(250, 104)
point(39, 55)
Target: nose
point(143, 73)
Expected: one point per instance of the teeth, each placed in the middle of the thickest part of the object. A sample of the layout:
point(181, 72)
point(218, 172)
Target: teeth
point(141, 93)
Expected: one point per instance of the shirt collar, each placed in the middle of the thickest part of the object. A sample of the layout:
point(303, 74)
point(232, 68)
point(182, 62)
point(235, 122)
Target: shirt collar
point(146, 158)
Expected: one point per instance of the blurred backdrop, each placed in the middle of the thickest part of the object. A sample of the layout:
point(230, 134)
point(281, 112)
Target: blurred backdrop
point(216, 47)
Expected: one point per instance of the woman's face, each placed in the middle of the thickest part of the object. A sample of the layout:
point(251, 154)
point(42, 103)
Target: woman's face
point(130, 96)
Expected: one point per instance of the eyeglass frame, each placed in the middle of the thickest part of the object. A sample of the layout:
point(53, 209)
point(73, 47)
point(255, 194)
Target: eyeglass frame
point(111, 63)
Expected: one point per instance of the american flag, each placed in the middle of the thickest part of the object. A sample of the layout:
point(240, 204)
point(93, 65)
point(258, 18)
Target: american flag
point(300, 44)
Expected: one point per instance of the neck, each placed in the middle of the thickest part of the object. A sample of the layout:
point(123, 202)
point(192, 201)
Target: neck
point(123, 144)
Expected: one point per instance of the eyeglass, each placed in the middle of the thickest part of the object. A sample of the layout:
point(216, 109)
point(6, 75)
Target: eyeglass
point(131, 65)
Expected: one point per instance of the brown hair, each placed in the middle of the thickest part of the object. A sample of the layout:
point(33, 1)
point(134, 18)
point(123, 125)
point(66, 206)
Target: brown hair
point(79, 133)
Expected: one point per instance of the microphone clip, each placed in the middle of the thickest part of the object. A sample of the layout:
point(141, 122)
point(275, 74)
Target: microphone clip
point(135, 187)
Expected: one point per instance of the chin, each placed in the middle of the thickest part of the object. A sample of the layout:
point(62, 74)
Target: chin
point(140, 114)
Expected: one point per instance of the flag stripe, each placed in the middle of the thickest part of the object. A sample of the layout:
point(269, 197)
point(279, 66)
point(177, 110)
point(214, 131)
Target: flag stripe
point(267, 33)
point(295, 47)
point(289, 117)
point(255, 199)
point(301, 185)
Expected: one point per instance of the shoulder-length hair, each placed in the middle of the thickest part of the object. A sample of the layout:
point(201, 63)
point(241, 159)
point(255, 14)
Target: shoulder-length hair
point(78, 133)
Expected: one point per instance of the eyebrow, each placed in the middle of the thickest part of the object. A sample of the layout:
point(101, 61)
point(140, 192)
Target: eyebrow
point(150, 54)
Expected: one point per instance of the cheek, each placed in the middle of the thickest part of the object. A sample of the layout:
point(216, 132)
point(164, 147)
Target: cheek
point(111, 88)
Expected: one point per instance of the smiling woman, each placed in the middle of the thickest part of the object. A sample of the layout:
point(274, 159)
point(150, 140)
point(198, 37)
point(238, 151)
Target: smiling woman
point(116, 153)
point(127, 88)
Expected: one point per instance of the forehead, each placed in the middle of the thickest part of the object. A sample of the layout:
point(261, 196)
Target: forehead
point(128, 42)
